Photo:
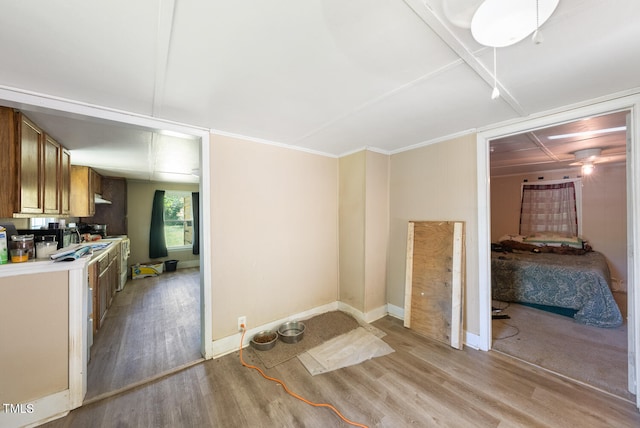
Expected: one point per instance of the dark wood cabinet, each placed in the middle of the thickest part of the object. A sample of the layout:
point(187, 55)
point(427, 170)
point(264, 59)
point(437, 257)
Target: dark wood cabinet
point(114, 215)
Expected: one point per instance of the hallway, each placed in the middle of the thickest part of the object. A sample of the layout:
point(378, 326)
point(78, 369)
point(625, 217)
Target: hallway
point(153, 326)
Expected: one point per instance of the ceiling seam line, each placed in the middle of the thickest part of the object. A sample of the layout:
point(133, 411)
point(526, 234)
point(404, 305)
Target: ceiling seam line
point(164, 32)
point(379, 98)
point(434, 23)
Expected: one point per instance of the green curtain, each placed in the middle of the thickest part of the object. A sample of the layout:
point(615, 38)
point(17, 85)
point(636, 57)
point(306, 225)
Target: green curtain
point(157, 244)
point(195, 207)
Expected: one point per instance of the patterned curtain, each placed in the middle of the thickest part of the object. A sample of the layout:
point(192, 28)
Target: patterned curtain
point(549, 208)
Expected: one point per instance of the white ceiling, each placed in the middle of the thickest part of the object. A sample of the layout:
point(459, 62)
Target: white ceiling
point(330, 76)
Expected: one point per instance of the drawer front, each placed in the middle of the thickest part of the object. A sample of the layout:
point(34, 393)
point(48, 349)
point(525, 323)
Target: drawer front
point(103, 263)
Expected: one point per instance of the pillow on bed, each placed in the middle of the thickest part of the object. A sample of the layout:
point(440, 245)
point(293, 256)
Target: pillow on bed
point(554, 240)
point(516, 238)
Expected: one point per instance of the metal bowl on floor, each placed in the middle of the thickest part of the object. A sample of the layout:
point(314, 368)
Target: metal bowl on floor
point(264, 340)
point(291, 332)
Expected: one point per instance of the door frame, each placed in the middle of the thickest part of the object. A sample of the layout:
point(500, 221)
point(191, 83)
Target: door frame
point(77, 110)
point(629, 102)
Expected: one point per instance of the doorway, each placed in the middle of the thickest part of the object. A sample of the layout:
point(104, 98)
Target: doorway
point(548, 335)
point(70, 109)
point(631, 103)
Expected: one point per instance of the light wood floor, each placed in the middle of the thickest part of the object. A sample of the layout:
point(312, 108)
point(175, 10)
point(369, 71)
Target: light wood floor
point(152, 326)
point(422, 384)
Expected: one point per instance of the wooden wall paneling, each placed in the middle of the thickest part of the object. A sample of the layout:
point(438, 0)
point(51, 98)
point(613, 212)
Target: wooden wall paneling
point(435, 280)
point(114, 215)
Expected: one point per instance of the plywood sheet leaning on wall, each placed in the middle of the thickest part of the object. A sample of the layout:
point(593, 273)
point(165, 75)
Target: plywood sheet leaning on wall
point(435, 277)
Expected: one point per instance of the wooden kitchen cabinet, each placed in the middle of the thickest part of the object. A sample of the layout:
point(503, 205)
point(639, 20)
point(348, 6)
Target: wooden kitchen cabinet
point(65, 185)
point(93, 290)
point(30, 146)
point(83, 196)
point(52, 158)
point(32, 162)
point(106, 276)
point(96, 182)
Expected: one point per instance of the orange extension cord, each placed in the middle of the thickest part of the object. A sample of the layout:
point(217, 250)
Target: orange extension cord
point(293, 394)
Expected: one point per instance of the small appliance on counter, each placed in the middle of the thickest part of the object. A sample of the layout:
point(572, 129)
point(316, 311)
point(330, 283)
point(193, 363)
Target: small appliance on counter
point(93, 229)
point(64, 237)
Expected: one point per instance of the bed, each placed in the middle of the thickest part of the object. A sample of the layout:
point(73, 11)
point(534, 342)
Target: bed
point(578, 282)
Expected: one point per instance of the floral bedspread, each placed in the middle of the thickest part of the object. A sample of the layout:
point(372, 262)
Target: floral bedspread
point(579, 282)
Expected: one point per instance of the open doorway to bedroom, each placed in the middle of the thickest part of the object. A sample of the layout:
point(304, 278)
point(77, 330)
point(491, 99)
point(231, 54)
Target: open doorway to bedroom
point(558, 294)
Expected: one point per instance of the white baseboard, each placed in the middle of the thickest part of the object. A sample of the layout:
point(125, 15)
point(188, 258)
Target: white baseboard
point(395, 311)
point(367, 317)
point(184, 264)
point(471, 340)
point(229, 344)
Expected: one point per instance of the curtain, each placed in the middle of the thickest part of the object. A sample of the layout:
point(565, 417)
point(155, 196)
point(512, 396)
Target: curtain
point(549, 208)
point(195, 206)
point(157, 244)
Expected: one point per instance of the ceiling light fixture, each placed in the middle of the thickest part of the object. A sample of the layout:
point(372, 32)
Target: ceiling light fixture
point(587, 133)
point(500, 23)
point(587, 168)
point(586, 158)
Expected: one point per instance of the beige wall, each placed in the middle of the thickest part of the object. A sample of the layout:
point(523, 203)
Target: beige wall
point(376, 230)
point(604, 212)
point(34, 320)
point(352, 229)
point(435, 182)
point(139, 203)
point(364, 226)
point(274, 232)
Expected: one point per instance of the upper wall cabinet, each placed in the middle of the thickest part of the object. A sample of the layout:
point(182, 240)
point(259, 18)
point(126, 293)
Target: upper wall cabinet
point(34, 180)
point(52, 158)
point(30, 143)
point(84, 181)
point(65, 187)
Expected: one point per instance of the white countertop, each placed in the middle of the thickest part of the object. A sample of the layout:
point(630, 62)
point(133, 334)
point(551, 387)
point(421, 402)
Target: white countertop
point(45, 265)
point(41, 266)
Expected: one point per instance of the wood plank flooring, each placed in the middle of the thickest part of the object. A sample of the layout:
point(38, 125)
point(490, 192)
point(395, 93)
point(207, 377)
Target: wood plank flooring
point(152, 326)
point(423, 384)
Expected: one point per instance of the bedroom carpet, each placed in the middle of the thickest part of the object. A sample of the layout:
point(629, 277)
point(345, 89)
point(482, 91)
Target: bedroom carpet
point(595, 356)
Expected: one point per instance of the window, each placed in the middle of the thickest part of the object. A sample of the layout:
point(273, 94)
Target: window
point(41, 223)
point(551, 206)
point(178, 219)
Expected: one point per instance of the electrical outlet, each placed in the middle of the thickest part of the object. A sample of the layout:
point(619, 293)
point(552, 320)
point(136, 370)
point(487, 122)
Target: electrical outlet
point(242, 321)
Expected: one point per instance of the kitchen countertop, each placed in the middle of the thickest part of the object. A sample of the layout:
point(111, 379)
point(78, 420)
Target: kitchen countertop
point(46, 265)
point(100, 247)
point(40, 266)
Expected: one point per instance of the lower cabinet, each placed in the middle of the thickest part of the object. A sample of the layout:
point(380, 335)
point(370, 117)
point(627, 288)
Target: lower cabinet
point(105, 275)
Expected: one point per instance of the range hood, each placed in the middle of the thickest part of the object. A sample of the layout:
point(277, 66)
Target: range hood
point(98, 199)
